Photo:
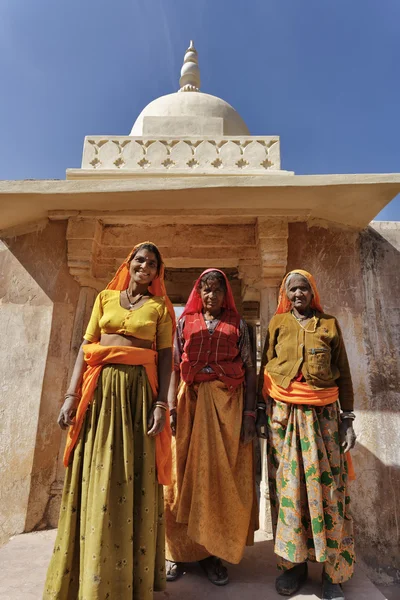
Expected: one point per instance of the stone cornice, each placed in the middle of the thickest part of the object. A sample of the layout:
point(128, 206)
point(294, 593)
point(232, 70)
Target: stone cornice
point(346, 200)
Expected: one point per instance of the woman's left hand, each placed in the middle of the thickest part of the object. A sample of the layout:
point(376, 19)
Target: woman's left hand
point(248, 432)
point(347, 435)
point(156, 422)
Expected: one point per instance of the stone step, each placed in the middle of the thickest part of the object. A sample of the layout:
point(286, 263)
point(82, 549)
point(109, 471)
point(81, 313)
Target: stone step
point(24, 560)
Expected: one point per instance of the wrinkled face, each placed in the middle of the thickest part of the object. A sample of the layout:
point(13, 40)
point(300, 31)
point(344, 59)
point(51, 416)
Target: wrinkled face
point(299, 293)
point(212, 295)
point(143, 267)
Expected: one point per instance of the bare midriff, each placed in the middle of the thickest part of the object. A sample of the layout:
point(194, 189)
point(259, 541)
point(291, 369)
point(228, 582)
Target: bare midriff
point(117, 339)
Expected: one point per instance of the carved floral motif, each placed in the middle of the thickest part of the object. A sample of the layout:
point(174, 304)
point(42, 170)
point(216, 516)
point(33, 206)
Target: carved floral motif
point(252, 155)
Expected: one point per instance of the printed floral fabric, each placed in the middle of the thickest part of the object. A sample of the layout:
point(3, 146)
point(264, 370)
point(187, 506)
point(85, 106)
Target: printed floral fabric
point(308, 482)
point(110, 542)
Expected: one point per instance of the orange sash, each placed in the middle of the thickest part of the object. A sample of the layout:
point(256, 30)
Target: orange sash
point(96, 356)
point(299, 392)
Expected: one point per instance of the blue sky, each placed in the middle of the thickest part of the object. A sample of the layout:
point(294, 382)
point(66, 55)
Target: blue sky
point(322, 74)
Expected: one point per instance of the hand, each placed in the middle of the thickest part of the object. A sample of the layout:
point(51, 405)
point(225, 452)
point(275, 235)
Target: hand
point(156, 422)
point(262, 424)
point(173, 420)
point(67, 412)
point(347, 435)
point(248, 432)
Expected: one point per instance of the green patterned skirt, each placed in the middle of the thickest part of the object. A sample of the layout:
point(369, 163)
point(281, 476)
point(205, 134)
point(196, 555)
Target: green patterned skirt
point(307, 474)
point(110, 542)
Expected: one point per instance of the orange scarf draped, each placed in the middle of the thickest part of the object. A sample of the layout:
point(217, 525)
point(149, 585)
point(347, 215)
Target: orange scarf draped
point(284, 304)
point(299, 392)
point(96, 356)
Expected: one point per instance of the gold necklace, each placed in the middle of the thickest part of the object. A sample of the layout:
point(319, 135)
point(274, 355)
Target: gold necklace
point(299, 319)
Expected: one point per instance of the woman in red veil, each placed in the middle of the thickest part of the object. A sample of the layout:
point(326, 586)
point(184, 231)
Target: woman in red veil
point(211, 511)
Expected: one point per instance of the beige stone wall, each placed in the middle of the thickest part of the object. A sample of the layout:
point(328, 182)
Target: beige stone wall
point(43, 312)
point(37, 305)
point(359, 280)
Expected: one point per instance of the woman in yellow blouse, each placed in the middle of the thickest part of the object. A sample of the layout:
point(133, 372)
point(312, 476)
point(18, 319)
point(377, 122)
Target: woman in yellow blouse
point(110, 541)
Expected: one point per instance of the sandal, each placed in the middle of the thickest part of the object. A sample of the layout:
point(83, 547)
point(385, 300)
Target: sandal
point(331, 591)
point(291, 580)
point(216, 572)
point(173, 570)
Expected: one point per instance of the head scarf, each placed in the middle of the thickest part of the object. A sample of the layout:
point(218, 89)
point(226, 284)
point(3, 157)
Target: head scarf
point(122, 277)
point(195, 303)
point(284, 304)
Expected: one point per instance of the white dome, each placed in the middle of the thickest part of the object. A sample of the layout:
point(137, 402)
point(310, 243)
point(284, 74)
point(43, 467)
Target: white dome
point(189, 107)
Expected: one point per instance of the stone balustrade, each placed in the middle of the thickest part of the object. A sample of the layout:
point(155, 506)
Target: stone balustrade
point(246, 155)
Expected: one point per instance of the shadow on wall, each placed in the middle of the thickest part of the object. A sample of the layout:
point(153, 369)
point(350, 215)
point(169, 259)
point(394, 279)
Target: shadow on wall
point(376, 504)
point(37, 310)
point(380, 266)
point(376, 516)
point(358, 275)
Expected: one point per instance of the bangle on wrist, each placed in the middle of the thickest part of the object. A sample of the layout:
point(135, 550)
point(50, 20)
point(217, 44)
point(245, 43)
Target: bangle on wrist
point(161, 405)
point(347, 414)
point(72, 395)
point(249, 413)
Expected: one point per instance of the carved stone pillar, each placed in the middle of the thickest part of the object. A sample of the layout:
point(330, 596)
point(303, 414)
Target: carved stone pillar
point(84, 239)
point(272, 235)
point(86, 300)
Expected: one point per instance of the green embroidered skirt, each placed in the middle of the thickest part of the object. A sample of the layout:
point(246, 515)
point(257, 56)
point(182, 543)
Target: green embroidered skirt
point(110, 542)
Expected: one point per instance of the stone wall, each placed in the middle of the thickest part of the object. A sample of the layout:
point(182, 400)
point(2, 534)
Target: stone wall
point(43, 312)
point(358, 276)
point(37, 306)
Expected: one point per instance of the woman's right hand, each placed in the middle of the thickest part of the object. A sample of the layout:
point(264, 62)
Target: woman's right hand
point(156, 421)
point(173, 420)
point(67, 412)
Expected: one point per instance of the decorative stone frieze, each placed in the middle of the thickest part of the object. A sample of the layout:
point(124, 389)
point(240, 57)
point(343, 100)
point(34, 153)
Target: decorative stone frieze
point(249, 155)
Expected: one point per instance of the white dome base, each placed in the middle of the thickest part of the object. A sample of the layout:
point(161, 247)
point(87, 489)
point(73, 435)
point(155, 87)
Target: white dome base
point(192, 113)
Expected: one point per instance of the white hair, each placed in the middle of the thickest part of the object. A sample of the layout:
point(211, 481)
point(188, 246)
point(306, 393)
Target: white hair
point(295, 274)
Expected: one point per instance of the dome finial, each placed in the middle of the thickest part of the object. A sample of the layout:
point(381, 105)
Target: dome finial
point(190, 72)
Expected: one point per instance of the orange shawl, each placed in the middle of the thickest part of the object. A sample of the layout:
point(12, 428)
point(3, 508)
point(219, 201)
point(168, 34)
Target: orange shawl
point(97, 356)
point(284, 304)
point(300, 392)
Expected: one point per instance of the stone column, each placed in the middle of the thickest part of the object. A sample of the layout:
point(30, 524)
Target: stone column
point(272, 235)
point(86, 300)
point(84, 239)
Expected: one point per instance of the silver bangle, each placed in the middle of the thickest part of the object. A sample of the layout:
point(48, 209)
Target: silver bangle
point(347, 415)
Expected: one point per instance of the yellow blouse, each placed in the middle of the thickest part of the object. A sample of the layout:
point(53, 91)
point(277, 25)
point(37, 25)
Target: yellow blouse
point(151, 321)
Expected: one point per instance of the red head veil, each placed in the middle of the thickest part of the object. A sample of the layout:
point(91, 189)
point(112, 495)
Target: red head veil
point(121, 280)
point(284, 304)
point(195, 304)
